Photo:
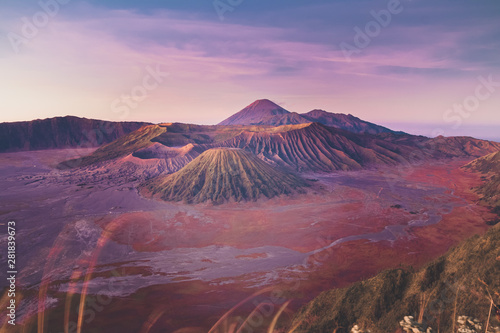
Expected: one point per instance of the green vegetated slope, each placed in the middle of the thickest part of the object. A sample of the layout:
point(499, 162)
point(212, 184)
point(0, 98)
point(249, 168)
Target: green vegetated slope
point(489, 166)
point(223, 174)
point(380, 303)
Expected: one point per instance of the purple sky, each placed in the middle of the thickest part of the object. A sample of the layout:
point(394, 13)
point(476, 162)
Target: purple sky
point(419, 71)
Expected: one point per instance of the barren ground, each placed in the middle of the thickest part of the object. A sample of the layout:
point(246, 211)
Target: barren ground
point(176, 265)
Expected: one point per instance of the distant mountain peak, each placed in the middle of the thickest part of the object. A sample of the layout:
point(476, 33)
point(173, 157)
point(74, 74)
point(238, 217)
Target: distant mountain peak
point(265, 103)
point(266, 112)
point(256, 113)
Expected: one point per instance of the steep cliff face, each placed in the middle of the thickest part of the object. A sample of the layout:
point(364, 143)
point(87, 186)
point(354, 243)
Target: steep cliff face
point(61, 132)
point(220, 175)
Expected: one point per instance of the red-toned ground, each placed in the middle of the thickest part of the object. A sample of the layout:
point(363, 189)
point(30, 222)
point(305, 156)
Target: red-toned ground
point(360, 204)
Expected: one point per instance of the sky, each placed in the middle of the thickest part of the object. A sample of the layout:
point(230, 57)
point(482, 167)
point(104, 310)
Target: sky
point(426, 67)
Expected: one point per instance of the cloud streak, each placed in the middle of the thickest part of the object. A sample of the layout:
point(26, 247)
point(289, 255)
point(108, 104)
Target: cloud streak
point(88, 55)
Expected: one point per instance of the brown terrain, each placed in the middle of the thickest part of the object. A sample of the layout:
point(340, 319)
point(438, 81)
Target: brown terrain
point(280, 243)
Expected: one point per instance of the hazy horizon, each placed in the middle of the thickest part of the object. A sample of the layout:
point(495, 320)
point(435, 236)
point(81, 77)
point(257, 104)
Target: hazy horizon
point(387, 62)
point(429, 130)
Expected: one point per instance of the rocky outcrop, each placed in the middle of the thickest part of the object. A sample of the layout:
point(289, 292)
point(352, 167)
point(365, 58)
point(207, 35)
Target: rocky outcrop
point(409, 325)
point(357, 329)
point(468, 324)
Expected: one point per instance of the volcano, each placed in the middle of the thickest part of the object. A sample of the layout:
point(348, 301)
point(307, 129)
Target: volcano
point(223, 174)
point(266, 112)
point(263, 112)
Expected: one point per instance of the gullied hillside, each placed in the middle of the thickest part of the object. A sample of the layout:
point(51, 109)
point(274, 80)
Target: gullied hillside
point(302, 148)
point(220, 175)
point(61, 132)
point(489, 166)
point(463, 278)
point(315, 147)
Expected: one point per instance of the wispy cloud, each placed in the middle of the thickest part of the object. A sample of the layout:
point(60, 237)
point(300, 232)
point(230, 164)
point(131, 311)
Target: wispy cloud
point(89, 54)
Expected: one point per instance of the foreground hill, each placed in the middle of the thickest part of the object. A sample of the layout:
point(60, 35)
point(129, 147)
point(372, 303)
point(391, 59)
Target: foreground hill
point(61, 132)
point(462, 279)
point(266, 112)
point(489, 166)
point(220, 175)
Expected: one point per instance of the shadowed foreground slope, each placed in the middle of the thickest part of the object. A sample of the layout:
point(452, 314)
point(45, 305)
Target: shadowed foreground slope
point(380, 303)
point(220, 175)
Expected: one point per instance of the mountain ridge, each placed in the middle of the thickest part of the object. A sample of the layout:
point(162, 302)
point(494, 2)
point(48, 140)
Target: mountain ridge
point(62, 132)
point(310, 147)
